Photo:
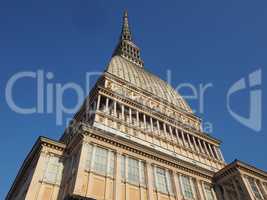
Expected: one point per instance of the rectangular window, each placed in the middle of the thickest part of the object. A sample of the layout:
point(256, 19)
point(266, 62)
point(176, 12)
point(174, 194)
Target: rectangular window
point(187, 187)
point(103, 160)
point(254, 188)
point(133, 170)
point(169, 182)
point(160, 180)
point(111, 163)
point(142, 173)
point(100, 160)
point(208, 192)
point(53, 172)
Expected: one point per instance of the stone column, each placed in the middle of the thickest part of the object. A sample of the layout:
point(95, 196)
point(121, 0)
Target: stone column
point(189, 142)
point(221, 155)
point(195, 143)
point(98, 102)
point(182, 132)
point(151, 124)
point(144, 119)
point(216, 153)
point(107, 103)
point(170, 130)
point(137, 118)
point(177, 137)
point(115, 108)
point(149, 170)
point(209, 145)
point(200, 146)
point(205, 146)
point(122, 112)
point(130, 115)
point(117, 191)
point(164, 129)
point(158, 126)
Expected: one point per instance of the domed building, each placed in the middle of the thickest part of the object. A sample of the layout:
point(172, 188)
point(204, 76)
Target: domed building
point(134, 138)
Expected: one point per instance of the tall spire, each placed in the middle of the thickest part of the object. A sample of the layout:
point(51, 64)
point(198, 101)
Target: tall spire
point(125, 32)
point(126, 47)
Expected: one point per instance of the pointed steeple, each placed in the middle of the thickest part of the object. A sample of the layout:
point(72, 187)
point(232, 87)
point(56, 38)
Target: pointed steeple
point(126, 47)
point(125, 32)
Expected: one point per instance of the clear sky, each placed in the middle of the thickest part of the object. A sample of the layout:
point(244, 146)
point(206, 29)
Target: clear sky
point(207, 42)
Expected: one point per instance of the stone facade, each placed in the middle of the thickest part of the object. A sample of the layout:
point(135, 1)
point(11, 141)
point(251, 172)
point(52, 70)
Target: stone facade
point(134, 138)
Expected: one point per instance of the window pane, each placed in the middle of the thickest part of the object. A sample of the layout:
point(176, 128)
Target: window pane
point(169, 183)
point(142, 174)
point(133, 170)
point(54, 170)
point(111, 164)
point(187, 188)
point(100, 163)
point(161, 182)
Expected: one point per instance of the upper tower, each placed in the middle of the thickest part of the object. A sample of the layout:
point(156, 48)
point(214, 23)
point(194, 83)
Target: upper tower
point(126, 47)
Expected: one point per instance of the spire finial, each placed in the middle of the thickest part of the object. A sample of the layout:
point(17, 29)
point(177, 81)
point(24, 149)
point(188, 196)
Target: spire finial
point(126, 47)
point(126, 33)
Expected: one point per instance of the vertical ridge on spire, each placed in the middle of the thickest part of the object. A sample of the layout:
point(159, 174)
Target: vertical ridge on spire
point(126, 47)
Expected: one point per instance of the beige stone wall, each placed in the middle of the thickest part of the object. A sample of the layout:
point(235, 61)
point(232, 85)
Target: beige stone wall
point(91, 184)
point(34, 185)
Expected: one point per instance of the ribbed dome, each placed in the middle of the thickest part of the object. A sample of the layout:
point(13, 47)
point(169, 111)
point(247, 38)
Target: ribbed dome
point(143, 79)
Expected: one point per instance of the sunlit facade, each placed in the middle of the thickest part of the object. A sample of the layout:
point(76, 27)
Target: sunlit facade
point(134, 138)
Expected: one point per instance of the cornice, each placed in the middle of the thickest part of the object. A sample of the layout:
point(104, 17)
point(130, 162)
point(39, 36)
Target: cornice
point(239, 166)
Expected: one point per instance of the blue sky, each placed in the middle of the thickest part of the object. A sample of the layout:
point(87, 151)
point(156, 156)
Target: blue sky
point(200, 42)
